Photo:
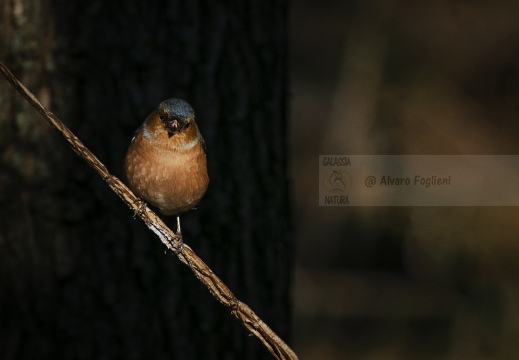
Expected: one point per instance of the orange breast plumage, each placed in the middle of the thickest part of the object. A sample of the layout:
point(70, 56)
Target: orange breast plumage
point(166, 163)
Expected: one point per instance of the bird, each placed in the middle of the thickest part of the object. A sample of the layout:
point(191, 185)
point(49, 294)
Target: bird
point(165, 164)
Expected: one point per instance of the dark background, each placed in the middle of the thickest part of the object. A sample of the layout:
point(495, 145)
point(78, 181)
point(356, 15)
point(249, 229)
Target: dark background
point(403, 77)
point(80, 278)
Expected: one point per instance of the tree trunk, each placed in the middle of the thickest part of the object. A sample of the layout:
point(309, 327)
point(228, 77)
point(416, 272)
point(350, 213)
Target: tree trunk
point(79, 277)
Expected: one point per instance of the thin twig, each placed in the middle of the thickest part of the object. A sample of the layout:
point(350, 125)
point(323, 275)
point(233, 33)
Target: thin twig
point(219, 290)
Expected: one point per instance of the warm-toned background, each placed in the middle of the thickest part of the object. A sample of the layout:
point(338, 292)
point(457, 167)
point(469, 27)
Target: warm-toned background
point(404, 77)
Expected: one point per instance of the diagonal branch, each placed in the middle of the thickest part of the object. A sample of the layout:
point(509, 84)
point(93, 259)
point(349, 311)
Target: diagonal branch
point(219, 290)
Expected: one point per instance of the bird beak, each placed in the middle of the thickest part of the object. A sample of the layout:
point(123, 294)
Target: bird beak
point(172, 127)
point(175, 126)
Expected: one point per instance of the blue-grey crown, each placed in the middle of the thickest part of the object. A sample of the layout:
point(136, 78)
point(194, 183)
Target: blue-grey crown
point(177, 107)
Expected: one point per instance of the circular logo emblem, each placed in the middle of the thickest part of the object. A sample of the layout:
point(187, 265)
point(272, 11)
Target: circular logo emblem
point(337, 181)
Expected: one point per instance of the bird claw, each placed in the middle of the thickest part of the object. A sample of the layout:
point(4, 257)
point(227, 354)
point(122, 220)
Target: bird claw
point(142, 205)
point(178, 241)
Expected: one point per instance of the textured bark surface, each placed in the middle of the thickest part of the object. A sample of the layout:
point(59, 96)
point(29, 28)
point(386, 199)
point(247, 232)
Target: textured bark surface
point(79, 277)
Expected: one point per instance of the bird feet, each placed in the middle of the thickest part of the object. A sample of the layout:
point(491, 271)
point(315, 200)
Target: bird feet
point(142, 205)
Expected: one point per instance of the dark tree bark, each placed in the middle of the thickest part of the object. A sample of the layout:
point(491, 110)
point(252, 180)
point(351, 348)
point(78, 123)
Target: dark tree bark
point(81, 279)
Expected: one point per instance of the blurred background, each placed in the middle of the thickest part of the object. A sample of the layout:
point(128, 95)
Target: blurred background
point(413, 78)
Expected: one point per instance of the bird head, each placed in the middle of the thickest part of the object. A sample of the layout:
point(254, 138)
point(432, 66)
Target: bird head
point(175, 115)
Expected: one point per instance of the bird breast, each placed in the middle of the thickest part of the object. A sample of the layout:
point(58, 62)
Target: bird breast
point(172, 180)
